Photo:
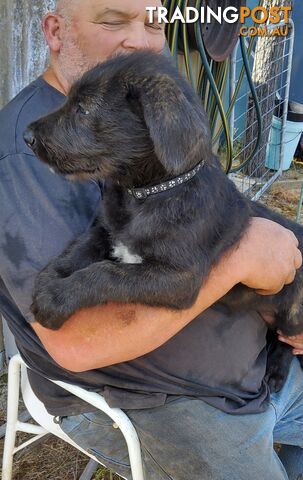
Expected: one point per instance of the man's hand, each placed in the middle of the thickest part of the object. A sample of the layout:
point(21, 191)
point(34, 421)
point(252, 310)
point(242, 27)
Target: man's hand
point(268, 256)
point(295, 341)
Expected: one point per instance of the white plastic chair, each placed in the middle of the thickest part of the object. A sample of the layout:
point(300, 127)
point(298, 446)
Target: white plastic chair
point(46, 422)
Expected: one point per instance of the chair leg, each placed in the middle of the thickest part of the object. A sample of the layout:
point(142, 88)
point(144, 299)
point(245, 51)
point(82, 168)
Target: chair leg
point(23, 417)
point(90, 469)
point(12, 417)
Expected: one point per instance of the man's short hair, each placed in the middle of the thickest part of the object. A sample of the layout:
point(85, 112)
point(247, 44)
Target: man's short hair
point(65, 7)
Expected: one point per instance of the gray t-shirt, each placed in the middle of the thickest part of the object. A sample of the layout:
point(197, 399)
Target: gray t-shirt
point(217, 357)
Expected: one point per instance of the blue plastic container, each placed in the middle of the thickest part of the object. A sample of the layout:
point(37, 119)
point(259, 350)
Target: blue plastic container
point(292, 137)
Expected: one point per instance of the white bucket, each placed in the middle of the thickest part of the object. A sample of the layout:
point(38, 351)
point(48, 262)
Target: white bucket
point(293, 132)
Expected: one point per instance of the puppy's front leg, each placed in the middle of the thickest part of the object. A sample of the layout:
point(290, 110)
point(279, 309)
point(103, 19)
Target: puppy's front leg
point(155, 285)
point(49, 299)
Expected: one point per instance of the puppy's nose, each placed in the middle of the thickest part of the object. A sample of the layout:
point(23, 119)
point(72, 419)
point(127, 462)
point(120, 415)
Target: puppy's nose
point(29, 137)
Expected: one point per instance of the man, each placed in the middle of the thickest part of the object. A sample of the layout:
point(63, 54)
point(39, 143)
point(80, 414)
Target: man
point(192, 383)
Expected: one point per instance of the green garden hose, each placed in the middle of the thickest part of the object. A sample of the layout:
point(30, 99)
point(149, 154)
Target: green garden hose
point(212, 78)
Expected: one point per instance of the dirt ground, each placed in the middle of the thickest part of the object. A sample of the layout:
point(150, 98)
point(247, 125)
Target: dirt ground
point(54, 459)
point(284, 195)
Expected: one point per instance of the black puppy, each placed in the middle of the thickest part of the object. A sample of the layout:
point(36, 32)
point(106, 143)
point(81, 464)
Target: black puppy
point(169, 211)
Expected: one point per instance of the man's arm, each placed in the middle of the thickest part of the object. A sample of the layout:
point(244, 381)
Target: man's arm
point(108, 334)
point(266, 259)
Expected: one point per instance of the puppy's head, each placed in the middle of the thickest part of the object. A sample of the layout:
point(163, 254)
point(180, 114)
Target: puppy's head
point(133, 119)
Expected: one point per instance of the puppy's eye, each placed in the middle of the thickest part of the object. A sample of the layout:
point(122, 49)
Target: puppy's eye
point(82, 110)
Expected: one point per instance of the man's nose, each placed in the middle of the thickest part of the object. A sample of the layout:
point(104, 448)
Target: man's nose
point(136, 38)
point(29, 137)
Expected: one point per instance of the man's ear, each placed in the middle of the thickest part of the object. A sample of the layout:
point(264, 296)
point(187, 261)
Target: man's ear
point(177, 123)
point(53, 25)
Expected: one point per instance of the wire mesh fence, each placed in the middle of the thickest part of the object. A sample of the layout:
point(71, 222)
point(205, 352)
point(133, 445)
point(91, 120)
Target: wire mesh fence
point(258, 141)
point(245, 96)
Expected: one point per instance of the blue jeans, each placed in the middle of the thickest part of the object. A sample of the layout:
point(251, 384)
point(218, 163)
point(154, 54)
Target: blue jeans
point(189, 439)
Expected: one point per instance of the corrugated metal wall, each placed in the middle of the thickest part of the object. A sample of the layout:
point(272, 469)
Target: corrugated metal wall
point(23, 52)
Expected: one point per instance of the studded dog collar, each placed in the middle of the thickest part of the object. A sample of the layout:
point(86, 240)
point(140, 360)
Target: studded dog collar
point(144, 192)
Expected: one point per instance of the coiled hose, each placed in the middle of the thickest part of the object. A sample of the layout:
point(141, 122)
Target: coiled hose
point(212, 78)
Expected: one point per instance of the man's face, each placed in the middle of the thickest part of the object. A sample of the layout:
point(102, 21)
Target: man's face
point(101, 29)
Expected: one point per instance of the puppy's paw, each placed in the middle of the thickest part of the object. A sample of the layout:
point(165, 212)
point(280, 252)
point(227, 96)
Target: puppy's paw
point(50, 305)
point(275, 378)
point(278, 365)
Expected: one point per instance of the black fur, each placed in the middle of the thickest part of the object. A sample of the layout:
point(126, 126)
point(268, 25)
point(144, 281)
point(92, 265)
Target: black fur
point(134, 121)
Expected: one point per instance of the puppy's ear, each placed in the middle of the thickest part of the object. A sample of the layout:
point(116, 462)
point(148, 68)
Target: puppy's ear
point(177, 123)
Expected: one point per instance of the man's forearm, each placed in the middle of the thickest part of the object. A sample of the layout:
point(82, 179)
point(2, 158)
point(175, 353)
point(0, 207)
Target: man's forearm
point(105, 335)
point(265, 259)
point(114, 333)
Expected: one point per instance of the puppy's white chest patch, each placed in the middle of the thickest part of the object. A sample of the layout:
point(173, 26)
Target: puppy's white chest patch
point(122, 253)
